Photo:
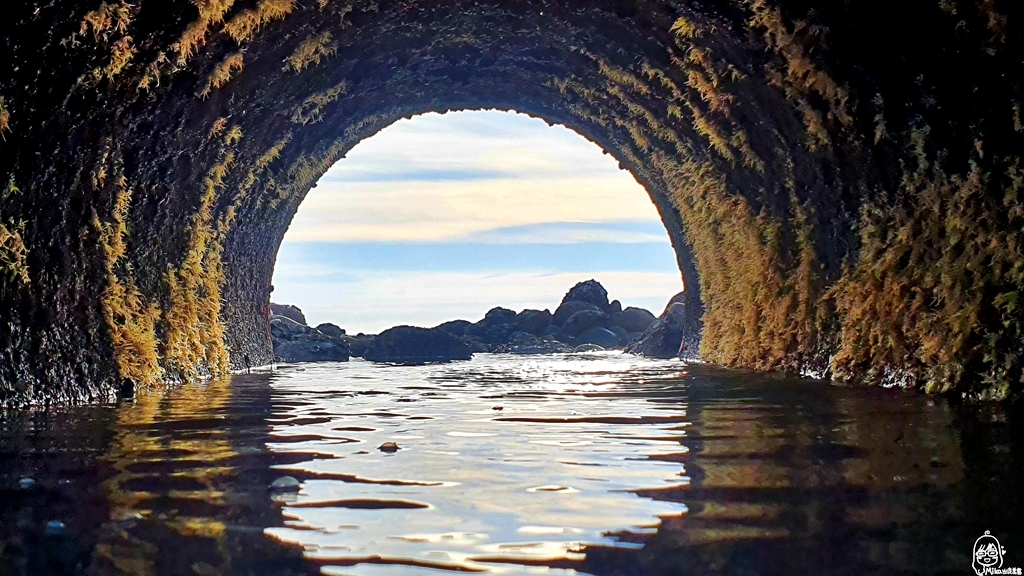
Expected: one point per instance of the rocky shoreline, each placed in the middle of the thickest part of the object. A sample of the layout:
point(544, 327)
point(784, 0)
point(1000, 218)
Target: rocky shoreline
point(585, 320)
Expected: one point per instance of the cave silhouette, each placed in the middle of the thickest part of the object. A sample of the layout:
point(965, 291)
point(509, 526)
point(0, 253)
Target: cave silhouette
point(839, 180)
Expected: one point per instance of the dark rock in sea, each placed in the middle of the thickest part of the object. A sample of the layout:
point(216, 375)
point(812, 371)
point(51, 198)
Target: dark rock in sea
point(295, 342)
point(477, 345)
point(412, 345)
point(582, 321)
point(496, 327)
point(283, 327)
point(533, 321)
point(522, 338)
point(600, 336)
point(285, 484)
point(565, 311)
point(588, 348)
point(541, 347)
point(331, 330)
point(311, 350)
point(454, 327)
point(591, 292)
point(359, 343)
point(621, 334)
point(614, 308)
point(664, 337)
point(633, 319)
point(288, 311)
point(55, 528)
point(390, 447)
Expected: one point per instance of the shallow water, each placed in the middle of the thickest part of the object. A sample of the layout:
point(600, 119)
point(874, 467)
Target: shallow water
point(578, 464)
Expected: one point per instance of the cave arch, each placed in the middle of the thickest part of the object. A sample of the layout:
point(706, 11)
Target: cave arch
point(812, 161)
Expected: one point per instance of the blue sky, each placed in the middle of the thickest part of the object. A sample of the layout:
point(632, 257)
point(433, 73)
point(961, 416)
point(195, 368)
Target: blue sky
point(446, 216)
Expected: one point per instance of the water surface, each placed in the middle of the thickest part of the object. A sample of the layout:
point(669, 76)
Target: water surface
point(569, 464)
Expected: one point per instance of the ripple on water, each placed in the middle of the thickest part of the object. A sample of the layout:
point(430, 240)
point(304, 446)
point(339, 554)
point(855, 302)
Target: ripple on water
point(521, 488)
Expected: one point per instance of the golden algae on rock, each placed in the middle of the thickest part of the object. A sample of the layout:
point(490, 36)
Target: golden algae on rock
point(129, 318)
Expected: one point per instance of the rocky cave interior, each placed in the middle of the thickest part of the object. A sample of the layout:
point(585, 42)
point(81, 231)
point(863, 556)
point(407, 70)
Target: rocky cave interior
point(840, 180)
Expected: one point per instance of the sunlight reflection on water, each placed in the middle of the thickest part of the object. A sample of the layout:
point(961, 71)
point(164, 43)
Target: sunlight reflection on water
point(504, 463)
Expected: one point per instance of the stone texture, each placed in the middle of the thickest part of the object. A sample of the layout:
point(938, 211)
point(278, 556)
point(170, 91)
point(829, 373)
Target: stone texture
point(585, 320)
point(601, 336)
point(769, 163)
point(295, 342)
point(590, 292)
point(288, 311)
point(633, 319)
point(567, 309)
point(495, 328)
point(359, 343)
point(412, 345)
point(455, 327)
point(332, 330)
point(664, 337)
point(533, 321)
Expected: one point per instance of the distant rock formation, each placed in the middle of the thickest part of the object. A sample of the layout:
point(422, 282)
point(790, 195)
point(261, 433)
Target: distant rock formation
point(412, 345)
point(296, 342)
point(288, 311)
point(664, 338)
point(584, 320)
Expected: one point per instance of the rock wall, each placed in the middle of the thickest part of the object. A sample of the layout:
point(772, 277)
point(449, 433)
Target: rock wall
point(840, 180)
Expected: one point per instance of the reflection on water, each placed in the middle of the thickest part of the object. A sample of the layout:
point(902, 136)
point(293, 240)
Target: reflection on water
point(580, 464)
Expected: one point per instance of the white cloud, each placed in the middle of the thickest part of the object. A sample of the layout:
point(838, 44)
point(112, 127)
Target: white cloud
point(445, 177)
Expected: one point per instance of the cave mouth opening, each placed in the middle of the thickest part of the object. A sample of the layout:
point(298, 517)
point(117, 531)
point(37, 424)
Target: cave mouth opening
point(445, 216)
point(813, 164)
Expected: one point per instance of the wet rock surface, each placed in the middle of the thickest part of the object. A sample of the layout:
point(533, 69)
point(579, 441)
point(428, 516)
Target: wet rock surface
point(296, 342)
point(289, 311)
point(501, 330)
point(674, 334)
point(412, 345)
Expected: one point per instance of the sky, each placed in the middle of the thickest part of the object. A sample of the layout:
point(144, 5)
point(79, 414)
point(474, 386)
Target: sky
point(441, 217)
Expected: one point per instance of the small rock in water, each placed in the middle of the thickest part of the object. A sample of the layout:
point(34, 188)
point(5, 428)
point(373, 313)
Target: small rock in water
point(27, 483)
point(55, 528)
point(204, 569)
point(389, 447)
point(498, 408)
point(285, 484)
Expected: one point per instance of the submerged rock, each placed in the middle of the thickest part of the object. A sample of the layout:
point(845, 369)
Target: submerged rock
point(588, 348)
point(412, 345)
point(389, 447)
point(55, 528)
point(285, 484)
